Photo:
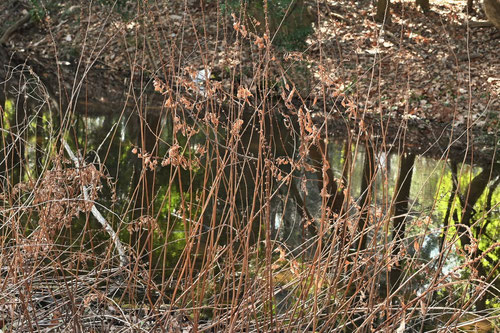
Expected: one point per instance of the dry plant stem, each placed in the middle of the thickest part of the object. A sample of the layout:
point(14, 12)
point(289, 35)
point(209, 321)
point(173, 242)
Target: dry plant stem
point(114, 237)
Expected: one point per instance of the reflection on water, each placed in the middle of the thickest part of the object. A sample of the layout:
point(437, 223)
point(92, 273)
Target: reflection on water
point(110, 140)
point(163, 188)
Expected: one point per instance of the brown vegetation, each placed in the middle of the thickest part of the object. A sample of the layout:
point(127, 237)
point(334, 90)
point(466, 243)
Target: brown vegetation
point(172, 167)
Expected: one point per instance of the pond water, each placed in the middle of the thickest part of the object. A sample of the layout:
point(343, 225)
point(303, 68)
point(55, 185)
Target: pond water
point(177, 193)
point(115, 141)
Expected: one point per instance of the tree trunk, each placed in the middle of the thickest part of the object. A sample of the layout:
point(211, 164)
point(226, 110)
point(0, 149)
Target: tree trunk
point(470, 6)
point(492, 11)
point(366, 194)
point(402, 193)
point(383, 12)
point(474, 191)
point(424, 4)
point(318, 153)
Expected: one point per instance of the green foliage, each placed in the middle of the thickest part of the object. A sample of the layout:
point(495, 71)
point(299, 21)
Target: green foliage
point(40, 10)
point(37, 11)
point(8, 113)
point(289, 20)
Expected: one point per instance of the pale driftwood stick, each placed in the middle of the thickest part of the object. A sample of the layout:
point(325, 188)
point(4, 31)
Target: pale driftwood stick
point(114, 237)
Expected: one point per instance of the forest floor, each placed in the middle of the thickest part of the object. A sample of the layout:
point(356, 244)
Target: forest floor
point(429, 67)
